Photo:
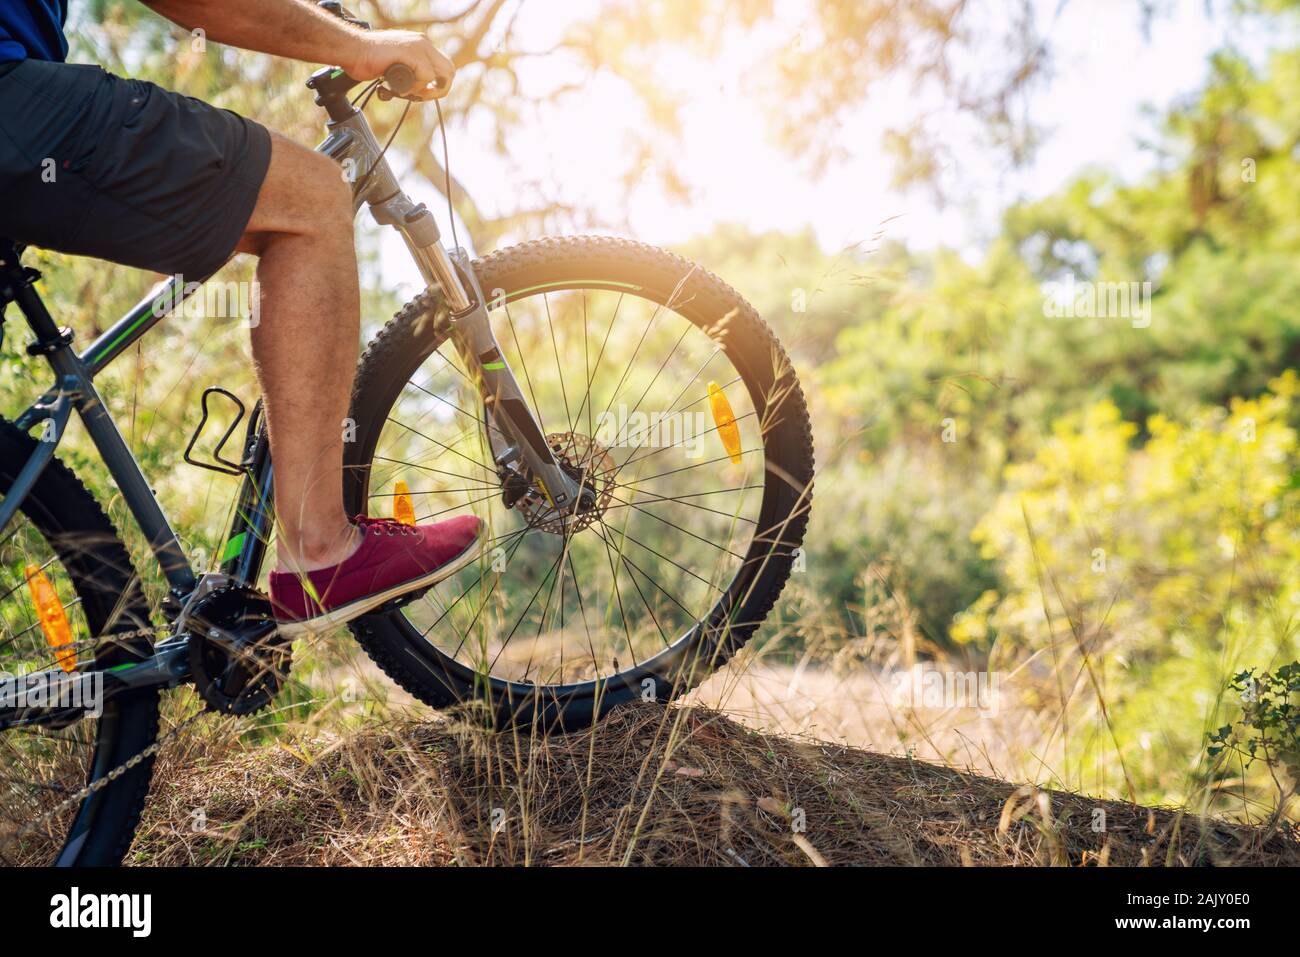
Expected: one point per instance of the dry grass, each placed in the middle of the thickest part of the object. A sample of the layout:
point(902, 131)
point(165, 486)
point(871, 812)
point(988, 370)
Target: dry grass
point(856, 708)
point(651, 785)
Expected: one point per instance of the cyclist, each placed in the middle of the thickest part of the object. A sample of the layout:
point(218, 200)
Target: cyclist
point(97, 165)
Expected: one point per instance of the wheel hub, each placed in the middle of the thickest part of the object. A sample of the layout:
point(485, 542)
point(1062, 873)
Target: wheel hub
point(591, 467)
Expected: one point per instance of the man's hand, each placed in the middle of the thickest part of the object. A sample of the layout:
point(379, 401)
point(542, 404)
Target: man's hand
point(375, 52)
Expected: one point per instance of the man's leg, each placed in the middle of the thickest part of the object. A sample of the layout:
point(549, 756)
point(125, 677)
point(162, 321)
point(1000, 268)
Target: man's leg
point(305, 350)
point(305, 346)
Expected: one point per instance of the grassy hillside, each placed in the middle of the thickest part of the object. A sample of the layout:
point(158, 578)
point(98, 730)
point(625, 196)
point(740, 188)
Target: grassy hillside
point(651, 786)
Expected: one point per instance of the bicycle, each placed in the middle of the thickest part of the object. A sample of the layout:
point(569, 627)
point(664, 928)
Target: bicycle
point(667, 575)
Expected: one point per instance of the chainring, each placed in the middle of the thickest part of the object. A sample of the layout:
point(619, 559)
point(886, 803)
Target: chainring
point(237, 657)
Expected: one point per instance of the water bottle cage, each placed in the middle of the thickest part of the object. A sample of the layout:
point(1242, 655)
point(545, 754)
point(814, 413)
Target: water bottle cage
point(223, 465)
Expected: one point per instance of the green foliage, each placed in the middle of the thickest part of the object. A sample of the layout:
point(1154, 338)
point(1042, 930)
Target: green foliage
point(1142, 572)
point(1214, 232)
point(1269, 727)
point(1106, 509)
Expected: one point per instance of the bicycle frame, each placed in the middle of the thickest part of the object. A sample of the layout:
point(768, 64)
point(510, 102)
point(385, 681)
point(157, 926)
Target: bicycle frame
point(515, 436)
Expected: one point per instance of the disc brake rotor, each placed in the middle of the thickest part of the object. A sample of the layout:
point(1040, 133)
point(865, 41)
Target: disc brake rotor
point(590, 465)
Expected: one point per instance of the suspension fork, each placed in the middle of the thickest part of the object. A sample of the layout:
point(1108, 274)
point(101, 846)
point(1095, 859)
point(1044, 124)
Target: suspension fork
point(513, 431)
point(514, 434)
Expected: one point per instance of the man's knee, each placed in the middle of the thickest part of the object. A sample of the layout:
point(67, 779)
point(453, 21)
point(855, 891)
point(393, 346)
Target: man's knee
point(304, 194)
point(329, 184)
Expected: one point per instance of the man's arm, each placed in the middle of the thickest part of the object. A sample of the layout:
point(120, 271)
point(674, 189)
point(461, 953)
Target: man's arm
point(300, 30)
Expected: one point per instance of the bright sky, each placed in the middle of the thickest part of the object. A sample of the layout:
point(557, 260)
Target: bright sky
point(1105, 71)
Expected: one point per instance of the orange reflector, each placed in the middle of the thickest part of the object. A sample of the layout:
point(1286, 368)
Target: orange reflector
point(725, 420)
point(54, 622)
point(403, 510)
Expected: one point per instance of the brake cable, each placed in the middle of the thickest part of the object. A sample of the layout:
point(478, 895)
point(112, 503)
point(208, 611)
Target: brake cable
point(360, 103)
point(446, 171)
point(366, 92)
point(365, 180)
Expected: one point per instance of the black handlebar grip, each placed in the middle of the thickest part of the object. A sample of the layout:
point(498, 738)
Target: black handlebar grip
point(399, 78)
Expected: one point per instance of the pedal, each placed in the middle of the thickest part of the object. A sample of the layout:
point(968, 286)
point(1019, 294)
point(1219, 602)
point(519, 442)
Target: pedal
point(401, 601)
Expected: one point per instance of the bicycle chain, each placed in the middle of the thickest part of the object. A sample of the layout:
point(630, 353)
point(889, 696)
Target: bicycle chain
point(100, 783)
point(152, 631)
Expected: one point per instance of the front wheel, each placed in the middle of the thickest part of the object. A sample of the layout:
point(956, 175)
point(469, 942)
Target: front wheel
point(667, 394)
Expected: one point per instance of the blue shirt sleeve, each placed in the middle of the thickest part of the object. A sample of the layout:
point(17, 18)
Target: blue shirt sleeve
point(33, 30)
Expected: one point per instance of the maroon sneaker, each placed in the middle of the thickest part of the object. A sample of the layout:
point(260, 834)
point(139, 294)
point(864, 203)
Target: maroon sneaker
point(393, 560)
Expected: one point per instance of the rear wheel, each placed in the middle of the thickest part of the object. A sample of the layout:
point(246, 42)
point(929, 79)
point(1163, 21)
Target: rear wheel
point(62, 548)
point(659, 388)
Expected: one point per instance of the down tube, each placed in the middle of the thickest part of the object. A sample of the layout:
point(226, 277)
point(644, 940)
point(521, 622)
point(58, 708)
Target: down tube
point(156, 304)
point(136, 493)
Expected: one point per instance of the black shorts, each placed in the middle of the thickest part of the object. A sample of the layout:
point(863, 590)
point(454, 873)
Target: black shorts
point(95, 165)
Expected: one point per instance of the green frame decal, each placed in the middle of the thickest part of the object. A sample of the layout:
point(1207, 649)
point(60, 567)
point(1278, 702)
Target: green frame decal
point(233, 547)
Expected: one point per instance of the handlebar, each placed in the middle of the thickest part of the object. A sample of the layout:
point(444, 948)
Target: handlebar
point(399, 78)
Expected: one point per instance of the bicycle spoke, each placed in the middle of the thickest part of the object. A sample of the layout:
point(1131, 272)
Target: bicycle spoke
point(520, 532)
point(678, 500)
point(599, 356)
point(618, 597)
point(686, 468)
point(647, 577)
point(559, 368)
point(42, 567)
point(524, 615)
point(620, 581)
point(675, 445)
point(685, 531)
point(659, 371)
point(523, 365)
point(428, 468)
point(618, 389)
point(447, 447)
